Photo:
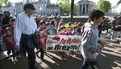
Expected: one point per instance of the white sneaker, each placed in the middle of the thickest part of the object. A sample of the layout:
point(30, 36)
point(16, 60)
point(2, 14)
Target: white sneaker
point(14, 60)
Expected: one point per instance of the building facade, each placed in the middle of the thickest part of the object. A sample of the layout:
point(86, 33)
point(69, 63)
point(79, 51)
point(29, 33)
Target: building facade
point(117, 9)
point(84, 7)
point(43, 7)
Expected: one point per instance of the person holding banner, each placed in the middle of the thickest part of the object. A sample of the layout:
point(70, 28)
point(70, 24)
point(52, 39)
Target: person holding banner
point(62, 32)
point(90, 39)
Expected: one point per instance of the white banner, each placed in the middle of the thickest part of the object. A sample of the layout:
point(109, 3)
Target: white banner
point(63, 43)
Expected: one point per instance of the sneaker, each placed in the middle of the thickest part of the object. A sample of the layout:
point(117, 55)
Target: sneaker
point(37, 55)
point(9, 56)
point(70, 56)
point(14, 60)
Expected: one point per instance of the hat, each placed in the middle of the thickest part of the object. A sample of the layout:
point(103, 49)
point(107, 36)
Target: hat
point(29, 6)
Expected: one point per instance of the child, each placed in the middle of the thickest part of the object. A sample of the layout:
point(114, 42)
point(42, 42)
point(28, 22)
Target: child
point(62, 32)
point(82, 29)
point(74, 32)
point(42, 25)
point(42, 43)
point(89, 40)
point(49, 30)
point(9, 40)
point(79, 27)
point(12, 21)
point(60, 25)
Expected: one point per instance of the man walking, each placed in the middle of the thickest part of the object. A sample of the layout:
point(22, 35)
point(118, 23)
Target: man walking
point(24, 30)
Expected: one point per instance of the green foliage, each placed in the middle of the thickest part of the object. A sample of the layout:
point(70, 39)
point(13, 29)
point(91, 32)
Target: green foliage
point(65, 6)
point(104, 5)
point(3, 3)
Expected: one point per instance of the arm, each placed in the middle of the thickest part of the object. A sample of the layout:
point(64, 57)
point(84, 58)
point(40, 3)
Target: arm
point(101, 42)
point(17, 31)
point(86, 38)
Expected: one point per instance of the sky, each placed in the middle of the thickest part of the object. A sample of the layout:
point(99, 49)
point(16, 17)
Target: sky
point(54, 1)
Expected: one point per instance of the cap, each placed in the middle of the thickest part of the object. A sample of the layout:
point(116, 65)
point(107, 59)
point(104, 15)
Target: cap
point(29, 6)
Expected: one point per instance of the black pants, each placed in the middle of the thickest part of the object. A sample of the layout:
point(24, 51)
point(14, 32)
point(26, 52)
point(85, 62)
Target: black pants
point(42, 52)
point(100, 31)
point(0, 44)
point(13, 53)
point(93, 65)
point(27, 45)
point(0, 48)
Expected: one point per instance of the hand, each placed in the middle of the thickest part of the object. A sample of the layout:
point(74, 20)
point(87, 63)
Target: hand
point(99, 51)
point(17, 48)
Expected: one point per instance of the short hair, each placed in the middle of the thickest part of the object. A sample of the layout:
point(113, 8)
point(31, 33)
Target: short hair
point(42, 22)
point(12, 19)
point(96, 14)
point(47, 24)
point(54, 17)
point(115, 17)
point(61, 28)
point(75, 27)
point(69, 23)
point(6, 12)
point(29, 6)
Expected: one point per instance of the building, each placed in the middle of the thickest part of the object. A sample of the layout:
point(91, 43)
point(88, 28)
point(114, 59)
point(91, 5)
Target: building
point(43, 7)
point(117, 9)
point(84, 7)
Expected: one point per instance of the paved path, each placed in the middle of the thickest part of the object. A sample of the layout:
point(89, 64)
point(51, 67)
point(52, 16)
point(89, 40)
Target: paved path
point(110, 59)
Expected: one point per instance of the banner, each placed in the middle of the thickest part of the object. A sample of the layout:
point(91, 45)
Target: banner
point(63, 43)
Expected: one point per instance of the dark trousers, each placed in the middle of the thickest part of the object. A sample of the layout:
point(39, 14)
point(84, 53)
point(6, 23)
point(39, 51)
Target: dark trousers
point(0, 44)
point(93, 65)
point(27, 45)
point(13, 53)
point(42, 52)
point(0, 48)
point(100, 31)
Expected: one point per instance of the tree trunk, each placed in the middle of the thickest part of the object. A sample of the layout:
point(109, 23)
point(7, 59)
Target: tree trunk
point(72, 9)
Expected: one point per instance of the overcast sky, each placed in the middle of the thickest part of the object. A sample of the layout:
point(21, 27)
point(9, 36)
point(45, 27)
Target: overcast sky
point(113, 2)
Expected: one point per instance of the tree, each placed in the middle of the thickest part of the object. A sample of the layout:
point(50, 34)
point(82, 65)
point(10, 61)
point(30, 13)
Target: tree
point(104, 5)
point(72, 7)
point(65, 6)
point(3, 3)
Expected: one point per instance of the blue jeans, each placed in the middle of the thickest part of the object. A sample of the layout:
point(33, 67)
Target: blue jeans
point(93, 65)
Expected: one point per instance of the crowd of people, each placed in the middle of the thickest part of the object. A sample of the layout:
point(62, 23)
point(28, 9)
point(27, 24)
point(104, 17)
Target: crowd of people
point(18, 34)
